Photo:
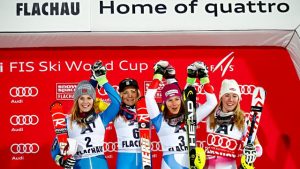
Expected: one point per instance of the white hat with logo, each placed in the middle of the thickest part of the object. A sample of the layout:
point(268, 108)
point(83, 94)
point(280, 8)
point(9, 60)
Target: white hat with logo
point(230, 86)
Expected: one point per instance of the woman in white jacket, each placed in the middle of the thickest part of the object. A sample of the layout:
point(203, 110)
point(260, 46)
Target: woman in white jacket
point(226, 128)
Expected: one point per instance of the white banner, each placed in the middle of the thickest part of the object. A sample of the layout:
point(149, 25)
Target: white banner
point(187, 15)
point(150, 15)
point(44, 15)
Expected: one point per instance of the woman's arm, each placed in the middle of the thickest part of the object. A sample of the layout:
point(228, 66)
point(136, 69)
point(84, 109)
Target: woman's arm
point(151, 104)
point(112, 110)
point(211, 102)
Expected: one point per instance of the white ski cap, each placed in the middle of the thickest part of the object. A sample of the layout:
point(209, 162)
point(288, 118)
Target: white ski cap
point(230, 86)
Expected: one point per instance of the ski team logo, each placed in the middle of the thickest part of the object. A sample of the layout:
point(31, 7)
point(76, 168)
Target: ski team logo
point(229, 58)
point(24, 148)
point(25, 91)
point(24, 120)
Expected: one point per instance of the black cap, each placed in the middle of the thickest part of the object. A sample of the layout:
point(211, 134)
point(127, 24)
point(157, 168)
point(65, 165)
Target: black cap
point(127, 82)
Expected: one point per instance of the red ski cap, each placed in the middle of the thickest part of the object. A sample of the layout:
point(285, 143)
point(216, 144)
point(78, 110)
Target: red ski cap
point(169, 91)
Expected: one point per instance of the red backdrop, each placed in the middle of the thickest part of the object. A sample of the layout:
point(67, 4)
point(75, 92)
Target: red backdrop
point(32, 78)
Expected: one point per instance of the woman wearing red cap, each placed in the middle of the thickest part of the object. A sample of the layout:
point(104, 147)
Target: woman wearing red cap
point(169, 123)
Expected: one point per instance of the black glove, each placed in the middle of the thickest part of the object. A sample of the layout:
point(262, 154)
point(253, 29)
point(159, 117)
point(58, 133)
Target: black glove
point(67, 163)
point(98, 69)
point(250, 153)
point(192, 71)
point(90, 118)
point(99, 72)
point(160, 67)
point(202, 70)
point(170, 72)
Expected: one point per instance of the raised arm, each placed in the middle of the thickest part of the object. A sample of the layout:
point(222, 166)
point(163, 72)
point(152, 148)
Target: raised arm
point(151, 104)
point(199, 70)
point(99, 73)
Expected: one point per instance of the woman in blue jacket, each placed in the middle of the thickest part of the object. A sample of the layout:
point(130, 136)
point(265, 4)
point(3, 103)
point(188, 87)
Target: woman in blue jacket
point(89, 136)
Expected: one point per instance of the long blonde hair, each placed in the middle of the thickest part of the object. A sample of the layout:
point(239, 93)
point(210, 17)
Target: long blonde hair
point(75, 111)
point(239, 119)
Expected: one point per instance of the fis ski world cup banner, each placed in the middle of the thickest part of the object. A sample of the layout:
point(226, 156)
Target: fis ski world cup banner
point(32, 78)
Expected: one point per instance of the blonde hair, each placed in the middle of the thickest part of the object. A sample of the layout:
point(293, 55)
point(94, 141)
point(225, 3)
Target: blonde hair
point(75, 114)
point(121, 95)
point(138, 93)
point(239, 119)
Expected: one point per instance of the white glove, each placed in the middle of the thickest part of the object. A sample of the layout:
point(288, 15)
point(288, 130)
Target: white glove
point(250, 153)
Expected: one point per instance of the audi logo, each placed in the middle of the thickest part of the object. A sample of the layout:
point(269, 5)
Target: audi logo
point(24, 120)
point(199, 88)
point(247, 89)
point(110, 146)
point(200, 144)
point(156, 146)
point(24, 148)
point(23, 91)
point(113, 146)
point(222, 142)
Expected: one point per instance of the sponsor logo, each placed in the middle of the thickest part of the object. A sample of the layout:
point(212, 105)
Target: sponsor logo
point(220, 66)
point(113, 146)
point(24, 120)
point(24, 148)
point(222, 142)
point(159, 89)
point(143, 117)
point(59, 122)
point(156, 146)
point(110, 146)
point(65, 91)
point(24, 91)
point(102, 92)
point(247, 89)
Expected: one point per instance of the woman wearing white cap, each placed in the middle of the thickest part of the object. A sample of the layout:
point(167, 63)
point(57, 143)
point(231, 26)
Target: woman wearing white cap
point(226, 127)
point(89, 136)
point(170, 124)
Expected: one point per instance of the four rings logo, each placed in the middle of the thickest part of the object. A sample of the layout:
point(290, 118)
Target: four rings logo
point(31, 91)
point(222, 142)
point(24, 120)
point(247, 89)
point(113, 146)
point(24, 148)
